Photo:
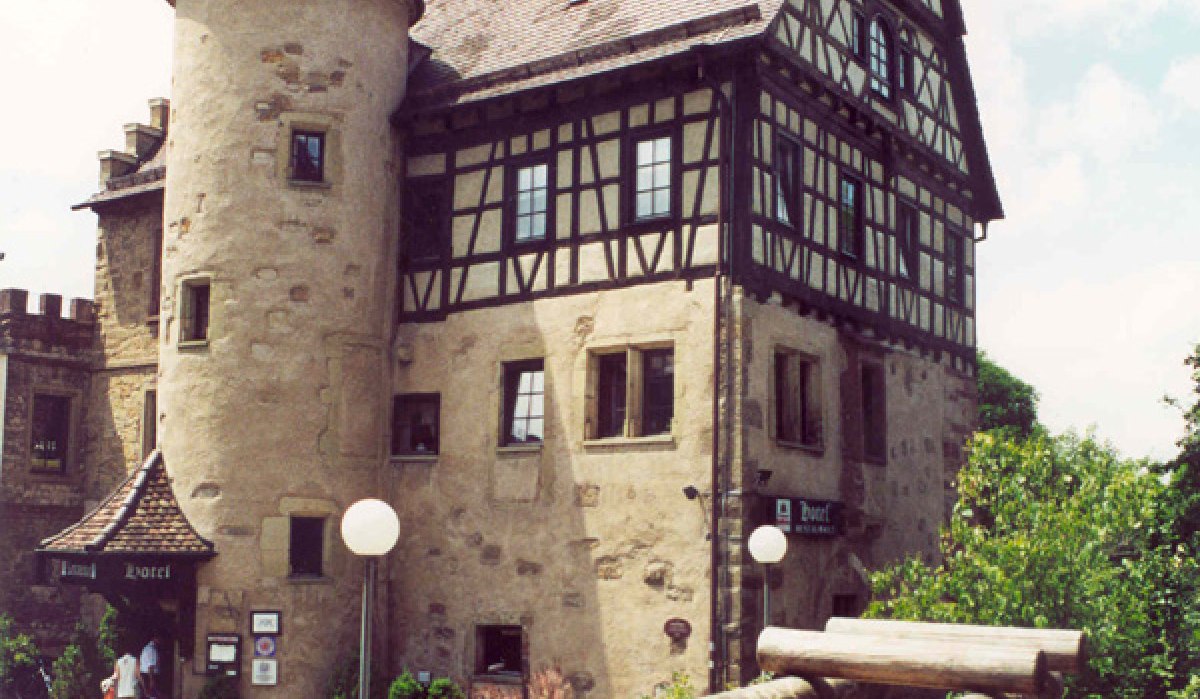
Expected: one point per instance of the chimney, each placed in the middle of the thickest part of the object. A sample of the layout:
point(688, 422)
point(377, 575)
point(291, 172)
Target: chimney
point(14, 301)
point(50, 305)
point(114, 163)
point(141, 140)
point(160, 113)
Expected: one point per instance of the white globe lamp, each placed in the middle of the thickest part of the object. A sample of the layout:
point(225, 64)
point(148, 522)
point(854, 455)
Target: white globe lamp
point(370, 529)
point(767, 545)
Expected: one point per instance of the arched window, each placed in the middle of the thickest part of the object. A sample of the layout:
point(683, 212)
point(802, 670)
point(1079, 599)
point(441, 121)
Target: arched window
point(881, 55)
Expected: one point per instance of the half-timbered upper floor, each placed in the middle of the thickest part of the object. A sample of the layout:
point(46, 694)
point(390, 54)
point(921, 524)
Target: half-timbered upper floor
point(825, 150)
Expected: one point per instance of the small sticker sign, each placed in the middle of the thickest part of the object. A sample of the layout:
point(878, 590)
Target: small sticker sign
point(783, 515)
point(265, 646)
point(264, 672)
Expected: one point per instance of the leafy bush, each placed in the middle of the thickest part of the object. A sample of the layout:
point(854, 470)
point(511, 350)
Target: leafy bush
point(18, 655)
point(72, 679)
point(220, 688)
point(680, 687)
point(405, 687)
point(444, 688)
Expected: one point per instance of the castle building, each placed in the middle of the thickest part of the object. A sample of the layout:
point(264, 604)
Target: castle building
point(585, 289)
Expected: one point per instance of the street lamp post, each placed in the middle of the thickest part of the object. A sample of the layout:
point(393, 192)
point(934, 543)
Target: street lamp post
point(767, 545)
point(370, 529)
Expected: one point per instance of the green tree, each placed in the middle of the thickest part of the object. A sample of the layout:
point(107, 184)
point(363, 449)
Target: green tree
point(18, 656)
point(1056, 531)
point(1004, 400)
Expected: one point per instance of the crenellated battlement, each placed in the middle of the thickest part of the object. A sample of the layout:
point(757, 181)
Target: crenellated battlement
point(47, 329)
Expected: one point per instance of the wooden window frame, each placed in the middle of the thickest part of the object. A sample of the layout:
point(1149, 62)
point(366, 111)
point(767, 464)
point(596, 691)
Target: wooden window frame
point(791, 193)
point(630, 169)
point(905, 73)
point(880, 58)
point(295, 172)
point(634, 388)
point(67, 405)
point(423, 400)
point(513, 371)
point(858, 36)
point(806, 429)
point(486, 636)
point(908, 240)
point(195, 326)
point(955, 259)
point(513, 212)
point(856, 227)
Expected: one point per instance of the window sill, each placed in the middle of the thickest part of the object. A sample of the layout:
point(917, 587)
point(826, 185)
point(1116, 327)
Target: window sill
point(55, 473)
point(193, 344)
point(814, 449)
point(519, 449)
point(309, 184)
point(657, 440)
point(152, 321)
point(401, 459)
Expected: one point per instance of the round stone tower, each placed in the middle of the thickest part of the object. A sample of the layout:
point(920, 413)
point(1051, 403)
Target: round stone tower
point(278, 277)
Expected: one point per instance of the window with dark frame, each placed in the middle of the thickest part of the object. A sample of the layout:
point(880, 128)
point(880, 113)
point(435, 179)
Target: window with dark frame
point(611, 395)
point(797, 413)
point(652, 191)
point(426, 216)
point(149, 423)
point(308, 156)
point(50, 432)
point(498, 650)
point(658, 391)
point(905, 73)
point(954, 265)
point(153, 301)
point(532, 203)
point(524, 402)
point(415, 424)
point(858, 35)
point(195, 316)
point(306, 547)
point(907, 236)
point(850, 220)
point(881, 57)
point(874, 413)
point(787, 181)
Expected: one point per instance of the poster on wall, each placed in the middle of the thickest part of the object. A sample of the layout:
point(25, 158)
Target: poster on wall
point(264, 672)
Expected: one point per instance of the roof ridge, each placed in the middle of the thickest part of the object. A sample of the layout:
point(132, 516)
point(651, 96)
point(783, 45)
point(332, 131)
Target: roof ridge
point(141, 478)
point(725, 19)
point(87, 516)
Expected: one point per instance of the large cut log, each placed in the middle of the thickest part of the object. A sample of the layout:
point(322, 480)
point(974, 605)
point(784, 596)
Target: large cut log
point(1066, 650)
point(907, 662)
point(791, 688)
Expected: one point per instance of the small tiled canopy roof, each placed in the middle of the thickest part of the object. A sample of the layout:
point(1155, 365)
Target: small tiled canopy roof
point(141, 517)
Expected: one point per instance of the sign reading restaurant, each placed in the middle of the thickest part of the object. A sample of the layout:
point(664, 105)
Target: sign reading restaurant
point(807, 516)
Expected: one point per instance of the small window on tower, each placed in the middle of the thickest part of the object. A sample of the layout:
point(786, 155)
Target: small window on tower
point(51, 428)
point(308, 156)
point(195, 307)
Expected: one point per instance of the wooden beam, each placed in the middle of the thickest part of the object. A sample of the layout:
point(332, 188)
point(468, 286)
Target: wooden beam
point(1066, 650)
point(910, 662)
point(792, 688)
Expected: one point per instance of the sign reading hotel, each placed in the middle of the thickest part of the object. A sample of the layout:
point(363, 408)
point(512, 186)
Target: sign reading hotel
point(807, 516)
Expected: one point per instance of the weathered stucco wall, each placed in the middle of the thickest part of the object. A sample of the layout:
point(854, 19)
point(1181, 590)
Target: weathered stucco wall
point(893, 508)
point(589, 545)
point(280, 410)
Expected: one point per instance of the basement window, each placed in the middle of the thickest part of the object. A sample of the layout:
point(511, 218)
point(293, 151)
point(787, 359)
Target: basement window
point(498, 650)
point(195, 311)
point(306, 547)
point(51, 429)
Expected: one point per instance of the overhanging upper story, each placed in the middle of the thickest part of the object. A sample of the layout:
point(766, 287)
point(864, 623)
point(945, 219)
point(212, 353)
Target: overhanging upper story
point(568, 147)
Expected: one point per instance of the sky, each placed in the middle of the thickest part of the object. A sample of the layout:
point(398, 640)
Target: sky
point(1089, 289)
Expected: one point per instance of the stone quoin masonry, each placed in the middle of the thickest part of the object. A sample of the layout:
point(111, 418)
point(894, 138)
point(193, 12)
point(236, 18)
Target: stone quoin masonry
point(585, 290)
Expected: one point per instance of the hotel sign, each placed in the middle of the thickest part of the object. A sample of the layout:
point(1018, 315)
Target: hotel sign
point(807, 517)
point(72, 570)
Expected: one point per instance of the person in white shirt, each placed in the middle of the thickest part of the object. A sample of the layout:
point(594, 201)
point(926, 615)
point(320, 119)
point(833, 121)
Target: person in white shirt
point(148, 665)
point(125, 676)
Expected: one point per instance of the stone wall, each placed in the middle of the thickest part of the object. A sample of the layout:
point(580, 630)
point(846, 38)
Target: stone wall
point(40, 354)
point(590, 545)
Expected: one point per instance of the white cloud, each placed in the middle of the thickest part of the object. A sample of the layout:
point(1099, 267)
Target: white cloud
point(1108, 118)
point(1182, 81)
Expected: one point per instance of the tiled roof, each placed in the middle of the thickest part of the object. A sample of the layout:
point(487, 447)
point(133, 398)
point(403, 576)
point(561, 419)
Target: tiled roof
point(150, 176)
point(140, 517)
point(486, 47)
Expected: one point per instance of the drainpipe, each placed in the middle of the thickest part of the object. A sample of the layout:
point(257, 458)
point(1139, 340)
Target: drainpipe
point(718, 651)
